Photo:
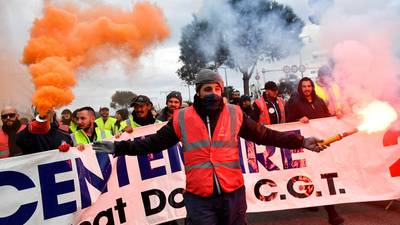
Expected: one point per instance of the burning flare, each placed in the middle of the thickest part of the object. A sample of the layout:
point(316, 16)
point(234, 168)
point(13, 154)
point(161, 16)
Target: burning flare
point(67, 38)
point(377, 116)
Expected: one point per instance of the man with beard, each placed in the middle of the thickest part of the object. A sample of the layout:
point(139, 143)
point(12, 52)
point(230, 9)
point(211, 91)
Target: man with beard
point(174, 102)
point(303, 106)
point(306, 104)
point(209, 130)
point(105, 122)
point(269, 109)
point(42, 134)
point(8, 132)
point(87, 129)
point(141, 115)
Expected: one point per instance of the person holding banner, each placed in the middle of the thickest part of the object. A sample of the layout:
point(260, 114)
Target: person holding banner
point(87, 129)
point(43, 134)
point(302, 107)
point(209, 131)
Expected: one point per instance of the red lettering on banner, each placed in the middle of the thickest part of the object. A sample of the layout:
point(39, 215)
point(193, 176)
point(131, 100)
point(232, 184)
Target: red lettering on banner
point(391, 138)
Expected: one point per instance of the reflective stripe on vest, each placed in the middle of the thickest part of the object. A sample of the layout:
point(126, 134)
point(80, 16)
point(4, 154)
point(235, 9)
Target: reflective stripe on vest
point(203, 157)
point(264, 113)
point(208, 164)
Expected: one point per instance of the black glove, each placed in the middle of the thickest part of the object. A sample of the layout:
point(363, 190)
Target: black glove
point(311, 143)
point(104, 146)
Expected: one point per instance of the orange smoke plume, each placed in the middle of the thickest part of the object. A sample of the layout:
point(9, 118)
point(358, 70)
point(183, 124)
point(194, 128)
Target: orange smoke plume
point(66, 38)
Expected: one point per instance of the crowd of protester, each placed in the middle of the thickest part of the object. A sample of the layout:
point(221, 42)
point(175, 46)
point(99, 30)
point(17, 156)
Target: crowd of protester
point(79, 127)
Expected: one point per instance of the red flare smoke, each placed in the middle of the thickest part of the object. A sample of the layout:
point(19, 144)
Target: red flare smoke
point(66, 38)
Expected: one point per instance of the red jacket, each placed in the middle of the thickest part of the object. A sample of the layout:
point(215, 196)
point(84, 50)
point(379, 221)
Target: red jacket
point(204, 156)
point(264, 114)
point(4, 148)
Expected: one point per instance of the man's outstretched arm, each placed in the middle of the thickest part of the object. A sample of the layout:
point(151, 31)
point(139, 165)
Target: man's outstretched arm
point(163, 139)
point(262, 135)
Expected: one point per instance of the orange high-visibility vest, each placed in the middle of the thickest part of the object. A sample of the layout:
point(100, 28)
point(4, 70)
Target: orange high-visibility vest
point(4, 148)
point(264, 114)
point(204, 156)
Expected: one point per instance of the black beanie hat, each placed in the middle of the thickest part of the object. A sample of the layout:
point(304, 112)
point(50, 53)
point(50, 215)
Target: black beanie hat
point(175, 94)
point(208, 76)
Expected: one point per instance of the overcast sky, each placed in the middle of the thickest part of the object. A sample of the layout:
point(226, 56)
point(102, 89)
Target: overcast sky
point(154, 74)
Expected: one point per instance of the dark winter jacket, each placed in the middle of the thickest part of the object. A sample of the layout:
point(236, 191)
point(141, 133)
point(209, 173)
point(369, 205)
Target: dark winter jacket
point(166, 136)
point(149, 119)
point(164, 115)
point(31, 142)
point(298, 106)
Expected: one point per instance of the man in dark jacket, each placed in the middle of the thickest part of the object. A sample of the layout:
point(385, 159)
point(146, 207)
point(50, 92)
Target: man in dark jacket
point(305, 104)
point(212, 119)
point(42, 135)
point(173, 102)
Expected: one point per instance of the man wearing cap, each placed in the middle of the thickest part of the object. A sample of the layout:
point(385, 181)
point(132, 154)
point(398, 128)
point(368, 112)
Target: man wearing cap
point(8, 132)
point(269, 109)
point(105, 121)
point(209, 130)
point(174, 102)
point(141, 114)
point(328, 90)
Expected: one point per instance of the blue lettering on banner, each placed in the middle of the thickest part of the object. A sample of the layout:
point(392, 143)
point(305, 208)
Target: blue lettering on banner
point(50, 189)
point(175, 155)
point(286, 154)
point(21, 182)
point(122, 171)
point(86, 175)
point(146, 172)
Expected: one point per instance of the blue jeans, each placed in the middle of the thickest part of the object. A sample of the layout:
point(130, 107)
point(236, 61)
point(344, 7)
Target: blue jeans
point(226, 209)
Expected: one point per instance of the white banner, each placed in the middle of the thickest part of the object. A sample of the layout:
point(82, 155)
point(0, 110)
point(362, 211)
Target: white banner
point(86, 188)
